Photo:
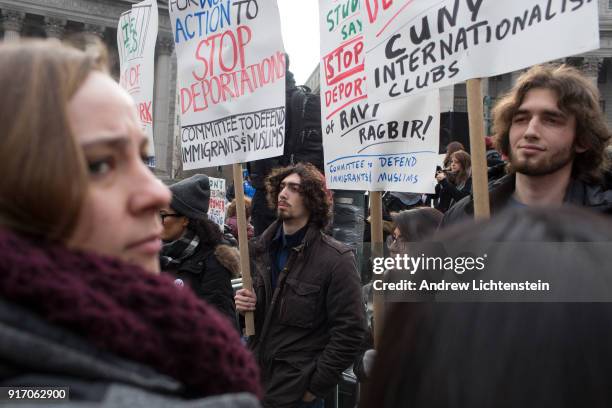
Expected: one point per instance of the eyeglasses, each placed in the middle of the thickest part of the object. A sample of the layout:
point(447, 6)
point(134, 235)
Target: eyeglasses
point(293, 187)
point(163, 216)
point(392, 238)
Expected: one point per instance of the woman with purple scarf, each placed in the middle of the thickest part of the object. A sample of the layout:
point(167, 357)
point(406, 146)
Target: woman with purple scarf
point(82, 303)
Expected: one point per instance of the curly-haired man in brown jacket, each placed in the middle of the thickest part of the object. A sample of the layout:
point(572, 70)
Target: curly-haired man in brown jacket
point(309, 319)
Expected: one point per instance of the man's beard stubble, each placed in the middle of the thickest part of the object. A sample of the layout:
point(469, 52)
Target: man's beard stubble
point(549, 165)
point(283, 215)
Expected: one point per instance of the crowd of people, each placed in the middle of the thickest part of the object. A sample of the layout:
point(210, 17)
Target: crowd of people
point(120, 288)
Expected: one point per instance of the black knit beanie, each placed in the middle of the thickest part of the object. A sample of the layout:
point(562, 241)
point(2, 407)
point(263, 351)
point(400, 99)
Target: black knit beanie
point(190, 197)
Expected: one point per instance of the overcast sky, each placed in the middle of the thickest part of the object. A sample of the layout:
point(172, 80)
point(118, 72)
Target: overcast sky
point(300, 28)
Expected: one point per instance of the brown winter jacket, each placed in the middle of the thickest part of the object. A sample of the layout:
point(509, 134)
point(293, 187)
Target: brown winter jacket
point(311, 328)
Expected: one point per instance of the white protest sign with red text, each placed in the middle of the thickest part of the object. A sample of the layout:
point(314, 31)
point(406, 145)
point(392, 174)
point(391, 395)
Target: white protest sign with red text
point(369, 146)
point(136, 38)
point(416, 45)
point(216, 205)
point(231, 80)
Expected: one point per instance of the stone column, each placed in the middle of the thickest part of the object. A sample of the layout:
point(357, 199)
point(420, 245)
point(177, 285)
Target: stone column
point(590, 68)
point(95, 29)
point(177, 163)
point(484, 87)
point(13, 23)
point(447, 98)
point(55, 27)
point(162, 136)
point(514, 76)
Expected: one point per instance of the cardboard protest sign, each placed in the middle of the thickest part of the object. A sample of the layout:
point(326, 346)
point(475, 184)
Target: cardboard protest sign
point(369, 146)
point(417, 45)
point(136, 38)
point(231, 80)
point(216, 205)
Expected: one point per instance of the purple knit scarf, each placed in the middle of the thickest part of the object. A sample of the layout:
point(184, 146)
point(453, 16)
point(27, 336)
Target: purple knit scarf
point(125, 310)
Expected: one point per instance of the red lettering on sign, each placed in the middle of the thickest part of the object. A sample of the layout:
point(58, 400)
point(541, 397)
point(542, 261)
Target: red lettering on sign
point(372, 8)
point(210, 52)
point(144, 111)
point(130, 80)
point(344, 61)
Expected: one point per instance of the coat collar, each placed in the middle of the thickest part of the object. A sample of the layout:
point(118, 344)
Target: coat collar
point(578, 193)
point(264, 241)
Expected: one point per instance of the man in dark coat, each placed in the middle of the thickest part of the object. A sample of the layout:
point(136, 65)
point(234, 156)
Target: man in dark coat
point(309, 319)
point(554, 133)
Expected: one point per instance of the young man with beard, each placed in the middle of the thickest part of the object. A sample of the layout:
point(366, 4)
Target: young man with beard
point(552, 129)
point(309, 319)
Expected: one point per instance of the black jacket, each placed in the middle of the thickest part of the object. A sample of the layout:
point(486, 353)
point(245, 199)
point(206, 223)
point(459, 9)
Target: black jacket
point(209, 272)
point(578, 193)
point(449, 194)
point(311, 327)
point(35, 353)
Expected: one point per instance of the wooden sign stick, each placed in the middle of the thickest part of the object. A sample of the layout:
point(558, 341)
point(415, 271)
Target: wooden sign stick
point(376, 231)
point(477, 149)
point(247, 282)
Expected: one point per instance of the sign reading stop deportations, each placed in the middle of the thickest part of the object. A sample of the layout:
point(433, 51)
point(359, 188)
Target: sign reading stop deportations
point(231, 80)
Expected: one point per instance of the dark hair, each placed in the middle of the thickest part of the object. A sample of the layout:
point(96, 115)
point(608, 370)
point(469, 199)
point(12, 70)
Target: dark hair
point(493, 354)
point(44, 176)
point(317, 198)
point(465, 161)
point(451, 148)
point(91, 45)
point(209, 233)
point(231, 209)
point(417, 223)
point(576, 96)
point(504, 354)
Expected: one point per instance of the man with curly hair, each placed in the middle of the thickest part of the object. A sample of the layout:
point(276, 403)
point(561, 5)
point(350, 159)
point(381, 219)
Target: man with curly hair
point(554, 133)
point(309, 319)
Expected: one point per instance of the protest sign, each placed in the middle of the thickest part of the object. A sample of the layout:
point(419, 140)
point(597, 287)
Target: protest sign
point(216, 205)
point(417, 45)
point(231, 80)
point(369, 146)
point(136, 38)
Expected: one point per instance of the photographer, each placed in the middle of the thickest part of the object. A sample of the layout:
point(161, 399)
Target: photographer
point(455, 183)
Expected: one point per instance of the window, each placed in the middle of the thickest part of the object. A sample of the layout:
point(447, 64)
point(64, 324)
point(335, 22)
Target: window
point(602, 76)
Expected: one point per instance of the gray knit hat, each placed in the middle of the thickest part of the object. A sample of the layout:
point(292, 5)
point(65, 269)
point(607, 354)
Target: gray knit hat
point(190, 197)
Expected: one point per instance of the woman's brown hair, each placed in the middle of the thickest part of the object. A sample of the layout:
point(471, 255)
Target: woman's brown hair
point(44, 177)
point(576, 96)
point(450, 149)
point(465, 161)
point(231, 209)
point(417, 223)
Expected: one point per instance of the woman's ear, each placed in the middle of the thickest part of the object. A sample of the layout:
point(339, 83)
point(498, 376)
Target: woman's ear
point(184, 222)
